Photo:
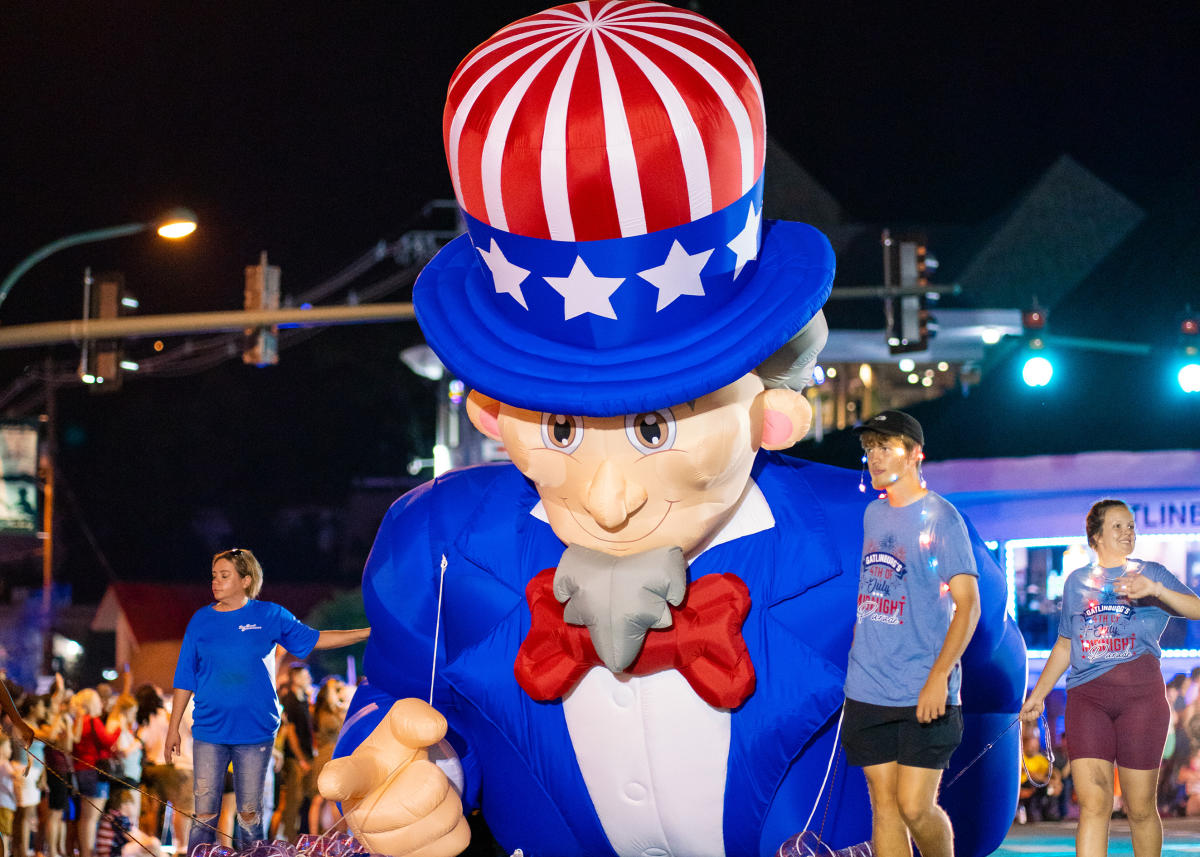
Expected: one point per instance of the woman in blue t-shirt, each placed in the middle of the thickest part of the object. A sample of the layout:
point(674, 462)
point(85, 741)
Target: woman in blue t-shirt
point(228, 661)
point(1113, 613)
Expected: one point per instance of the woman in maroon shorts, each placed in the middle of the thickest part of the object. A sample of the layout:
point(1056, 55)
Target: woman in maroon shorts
point(1113, 613)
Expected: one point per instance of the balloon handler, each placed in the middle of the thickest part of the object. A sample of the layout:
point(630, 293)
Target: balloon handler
point(635, 635)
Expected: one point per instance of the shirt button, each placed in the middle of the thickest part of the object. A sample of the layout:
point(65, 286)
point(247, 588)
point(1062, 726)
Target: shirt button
point(655, 852)
point(622, 696)
point(635, 792)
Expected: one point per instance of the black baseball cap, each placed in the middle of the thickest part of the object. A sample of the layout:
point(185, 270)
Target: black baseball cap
point(893, 423)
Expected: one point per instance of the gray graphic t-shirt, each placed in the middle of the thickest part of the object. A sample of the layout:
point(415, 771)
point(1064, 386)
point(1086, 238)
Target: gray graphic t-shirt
point(1106, 629)
point(904, 604)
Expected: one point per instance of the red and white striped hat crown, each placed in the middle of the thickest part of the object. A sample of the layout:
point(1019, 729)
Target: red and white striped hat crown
point(603, 120)
point(608, 159)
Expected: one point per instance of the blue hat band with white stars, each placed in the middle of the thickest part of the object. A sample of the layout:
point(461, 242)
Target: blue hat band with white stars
point(616, 292)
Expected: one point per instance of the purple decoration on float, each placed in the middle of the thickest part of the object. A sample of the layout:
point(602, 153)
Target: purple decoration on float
point(808, 844)
point(210, 849)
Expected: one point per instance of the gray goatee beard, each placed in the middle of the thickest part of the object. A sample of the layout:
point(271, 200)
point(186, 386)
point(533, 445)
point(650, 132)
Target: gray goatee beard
point(619, 599)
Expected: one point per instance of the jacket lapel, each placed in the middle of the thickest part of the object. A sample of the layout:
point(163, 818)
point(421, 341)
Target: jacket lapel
point(485, 618)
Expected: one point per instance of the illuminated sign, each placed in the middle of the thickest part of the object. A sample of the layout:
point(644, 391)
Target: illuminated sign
point(19, 501)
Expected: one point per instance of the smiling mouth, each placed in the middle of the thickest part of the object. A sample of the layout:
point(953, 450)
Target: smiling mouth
point(605, 538)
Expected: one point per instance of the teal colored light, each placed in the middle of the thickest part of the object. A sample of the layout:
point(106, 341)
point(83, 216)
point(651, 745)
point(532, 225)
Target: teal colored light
point(1189, 378)
point(1037, 371)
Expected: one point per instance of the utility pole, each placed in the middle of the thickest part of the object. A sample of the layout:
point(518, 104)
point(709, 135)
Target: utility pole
point(46, 465)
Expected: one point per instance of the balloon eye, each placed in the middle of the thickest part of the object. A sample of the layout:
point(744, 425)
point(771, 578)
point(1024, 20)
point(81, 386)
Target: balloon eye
point(651, 432)
point(562, 432)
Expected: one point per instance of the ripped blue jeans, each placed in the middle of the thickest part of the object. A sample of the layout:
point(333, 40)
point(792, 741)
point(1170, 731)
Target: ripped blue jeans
point(210, 762)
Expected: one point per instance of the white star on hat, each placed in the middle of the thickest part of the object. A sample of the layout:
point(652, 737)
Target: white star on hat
point(507, 276)
point(583, 291)
point(745, 243)
point(678, 275)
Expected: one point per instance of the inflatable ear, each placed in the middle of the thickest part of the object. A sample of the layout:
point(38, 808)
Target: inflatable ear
point(484, 413)
point(786, 417)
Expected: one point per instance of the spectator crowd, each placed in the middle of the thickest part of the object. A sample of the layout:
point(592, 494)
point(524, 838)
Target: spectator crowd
point(95, 783)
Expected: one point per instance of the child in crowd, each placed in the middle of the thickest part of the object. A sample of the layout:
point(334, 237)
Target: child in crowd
point(1035, 776)
point(1188, 778)
point(116, 823)
point(29, 776)
point(8, 794)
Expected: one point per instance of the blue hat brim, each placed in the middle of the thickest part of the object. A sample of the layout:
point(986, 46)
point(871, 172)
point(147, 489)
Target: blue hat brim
point(789, 284)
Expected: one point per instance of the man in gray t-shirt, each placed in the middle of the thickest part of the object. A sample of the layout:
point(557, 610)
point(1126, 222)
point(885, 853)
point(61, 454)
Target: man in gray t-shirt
point(910, 555)
point(918, 604)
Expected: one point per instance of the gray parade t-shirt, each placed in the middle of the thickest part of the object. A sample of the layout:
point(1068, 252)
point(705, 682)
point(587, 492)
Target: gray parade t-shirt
point(904, 604)
point(1106, 629)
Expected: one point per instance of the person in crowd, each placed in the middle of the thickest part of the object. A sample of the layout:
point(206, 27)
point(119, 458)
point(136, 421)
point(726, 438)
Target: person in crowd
point(184, 803)
point(225, 662)
point(1035, 779)
point(127, 751)
point(298, 778)
point(116, 823)
point(94, 742)
point(918, 604)
point(1172, 759)
point(10, 717)
point(1062, 788)
point(8, 794)
point(30, 775)
point(329, 712)
point(105, 691)
point(1113, 612)
point(57, 734)
point(1188, 778)
point(1193, 686)
point(158, 778)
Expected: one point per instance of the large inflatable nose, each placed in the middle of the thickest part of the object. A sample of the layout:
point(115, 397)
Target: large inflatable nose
point(611, 498)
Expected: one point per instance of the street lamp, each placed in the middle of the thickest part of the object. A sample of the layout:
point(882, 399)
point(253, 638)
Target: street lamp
point(176, 223)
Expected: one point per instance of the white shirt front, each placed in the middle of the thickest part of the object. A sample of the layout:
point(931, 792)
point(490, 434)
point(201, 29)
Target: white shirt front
point(653, 754)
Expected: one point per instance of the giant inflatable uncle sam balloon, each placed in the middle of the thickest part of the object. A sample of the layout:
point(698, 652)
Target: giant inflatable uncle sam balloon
point(635, 635)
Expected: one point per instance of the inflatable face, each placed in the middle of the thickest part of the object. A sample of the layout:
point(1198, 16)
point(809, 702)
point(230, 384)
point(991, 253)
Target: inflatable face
point(664, 478)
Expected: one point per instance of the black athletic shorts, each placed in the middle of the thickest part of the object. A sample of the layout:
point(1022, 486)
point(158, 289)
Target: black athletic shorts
point(876, 734)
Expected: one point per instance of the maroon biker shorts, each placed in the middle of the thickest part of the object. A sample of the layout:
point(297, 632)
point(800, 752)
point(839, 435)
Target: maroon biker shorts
point(1121, 716)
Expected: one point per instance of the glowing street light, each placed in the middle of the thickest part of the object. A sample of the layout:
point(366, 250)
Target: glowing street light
point(176, 223)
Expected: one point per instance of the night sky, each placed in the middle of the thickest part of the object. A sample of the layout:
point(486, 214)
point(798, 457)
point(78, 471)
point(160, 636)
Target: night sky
point(312, 130)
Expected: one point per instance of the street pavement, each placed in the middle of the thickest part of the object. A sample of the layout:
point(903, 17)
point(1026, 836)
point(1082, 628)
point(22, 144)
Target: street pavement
point(1181, 836)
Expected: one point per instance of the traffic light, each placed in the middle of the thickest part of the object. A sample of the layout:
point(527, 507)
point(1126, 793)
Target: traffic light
point(104, 361)
point(262, 292)
point(1189, 339)
point(1037, 370)
point(905, 268)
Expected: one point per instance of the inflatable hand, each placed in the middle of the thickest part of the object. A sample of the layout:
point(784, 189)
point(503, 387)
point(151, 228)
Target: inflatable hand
point(396, 801)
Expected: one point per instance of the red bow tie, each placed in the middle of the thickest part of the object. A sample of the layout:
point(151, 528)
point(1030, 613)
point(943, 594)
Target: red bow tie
point(704, 643)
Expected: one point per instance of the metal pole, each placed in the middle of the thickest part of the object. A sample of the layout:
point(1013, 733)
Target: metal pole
point(49, 456)
point(86, 345)
point(62, 244)
point(46, 333)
